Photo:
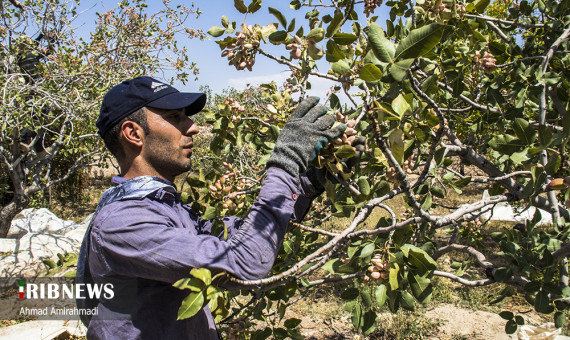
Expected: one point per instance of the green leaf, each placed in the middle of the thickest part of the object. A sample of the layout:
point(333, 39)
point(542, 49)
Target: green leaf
point(261, 334)
point(542, 303)
point(394, 269)
point(263, 159)
point(419, 42)
point(345, 151)
point(341, 67)
point(506, 144)
point(437, 192)
point(401, 106)
point(418, 258)
point(421, 287)
point(254, 6)
point(408, 302)
point(291, 26)
point(334, 26)
point(191, 283)
point(480, 5)
point(394, 301)
point(507, 315)
point(280, 17)
point(50, 263)
point(369, 323)
point(382, 48)
point(292, 323)
point(502, 274)
point(524, 131)
point(225, 21)
point(357, 316)
point(240, 6)
point(380, 294)
point(511, 327)
point(71, 274)
point(396, 139)
point(316, 35)
point(278, 37)
point(334, 53)
point(367, 250)
point(350, 294)
point(202, 274)
point(559, 319)
point(427, 203)
point(344, 38)
point(553, 164)
point(191, 305)
point(399, 70)
point(370, 73)
point(363, 185)
point(519, 320)
point(216, 31)
point(209, 213)
point(462, 182)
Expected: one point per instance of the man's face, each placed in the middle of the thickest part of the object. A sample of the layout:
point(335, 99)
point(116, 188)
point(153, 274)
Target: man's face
point(168, 145)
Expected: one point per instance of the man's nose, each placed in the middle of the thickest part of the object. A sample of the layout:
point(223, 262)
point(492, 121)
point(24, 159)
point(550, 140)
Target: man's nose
point(192, 129)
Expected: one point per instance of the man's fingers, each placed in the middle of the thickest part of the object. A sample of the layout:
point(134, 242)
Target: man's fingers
point(324, 122)
point(315, 113)
point(335, 131)
point(304, 107)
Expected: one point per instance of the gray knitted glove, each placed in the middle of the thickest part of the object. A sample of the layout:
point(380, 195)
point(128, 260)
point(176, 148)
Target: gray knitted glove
point(304, 134)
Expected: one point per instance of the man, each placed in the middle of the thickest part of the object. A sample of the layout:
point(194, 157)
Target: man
point(142, 239)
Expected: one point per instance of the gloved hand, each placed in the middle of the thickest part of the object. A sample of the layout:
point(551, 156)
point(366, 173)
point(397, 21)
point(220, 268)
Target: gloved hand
point(306, 132)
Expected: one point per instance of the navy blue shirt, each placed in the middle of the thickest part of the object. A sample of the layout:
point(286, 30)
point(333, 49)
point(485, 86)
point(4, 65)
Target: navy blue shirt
point(156, 240)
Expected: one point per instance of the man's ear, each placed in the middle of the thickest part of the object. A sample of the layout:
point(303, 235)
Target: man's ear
point(132, 134)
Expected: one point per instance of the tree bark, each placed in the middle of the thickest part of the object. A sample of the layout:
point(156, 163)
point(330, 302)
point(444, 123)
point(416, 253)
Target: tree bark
point(8, 212)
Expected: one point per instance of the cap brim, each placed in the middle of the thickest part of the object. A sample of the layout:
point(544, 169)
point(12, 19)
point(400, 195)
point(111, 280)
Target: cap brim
point(193, 102)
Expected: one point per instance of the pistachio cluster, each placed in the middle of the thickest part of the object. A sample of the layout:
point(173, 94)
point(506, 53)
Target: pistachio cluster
point(329, 158)
point(370, 6)
point(241, 53)
point(295, 49)
point(391, 175)
point(234, 104)
point(441, 9)
point(378, 270)
point(484, 63)
point(227, 186)
point(292, 85)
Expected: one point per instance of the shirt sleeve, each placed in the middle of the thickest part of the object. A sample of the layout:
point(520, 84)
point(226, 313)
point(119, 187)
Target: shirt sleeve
point(140, 239)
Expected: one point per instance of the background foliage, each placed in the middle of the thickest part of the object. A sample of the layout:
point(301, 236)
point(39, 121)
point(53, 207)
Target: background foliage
point(439, 86)
point(53, 80)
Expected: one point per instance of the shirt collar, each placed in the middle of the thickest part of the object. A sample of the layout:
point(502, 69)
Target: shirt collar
point(166, 194)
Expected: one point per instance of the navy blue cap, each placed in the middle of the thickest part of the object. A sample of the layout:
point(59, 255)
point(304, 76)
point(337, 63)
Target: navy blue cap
point(134, 94)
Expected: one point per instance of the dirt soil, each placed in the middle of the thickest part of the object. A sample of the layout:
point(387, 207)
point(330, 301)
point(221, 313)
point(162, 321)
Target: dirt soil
point(468, 323)
point(454, 323)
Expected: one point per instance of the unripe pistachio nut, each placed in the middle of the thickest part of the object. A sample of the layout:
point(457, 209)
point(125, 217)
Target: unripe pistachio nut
point(297, 39)
point(557, 184)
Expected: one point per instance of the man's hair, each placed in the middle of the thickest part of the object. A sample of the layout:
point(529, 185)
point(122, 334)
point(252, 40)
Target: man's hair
point(112, 137)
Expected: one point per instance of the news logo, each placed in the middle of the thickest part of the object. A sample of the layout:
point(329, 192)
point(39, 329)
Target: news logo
point(54, 291)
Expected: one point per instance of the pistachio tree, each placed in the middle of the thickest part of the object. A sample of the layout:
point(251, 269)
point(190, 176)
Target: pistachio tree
point(54, 76)
point(438, 86)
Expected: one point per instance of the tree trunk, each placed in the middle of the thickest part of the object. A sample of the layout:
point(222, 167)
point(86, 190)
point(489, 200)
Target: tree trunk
point(8, 212)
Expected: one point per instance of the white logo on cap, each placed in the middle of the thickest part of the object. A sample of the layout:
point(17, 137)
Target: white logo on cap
point(157, 86)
